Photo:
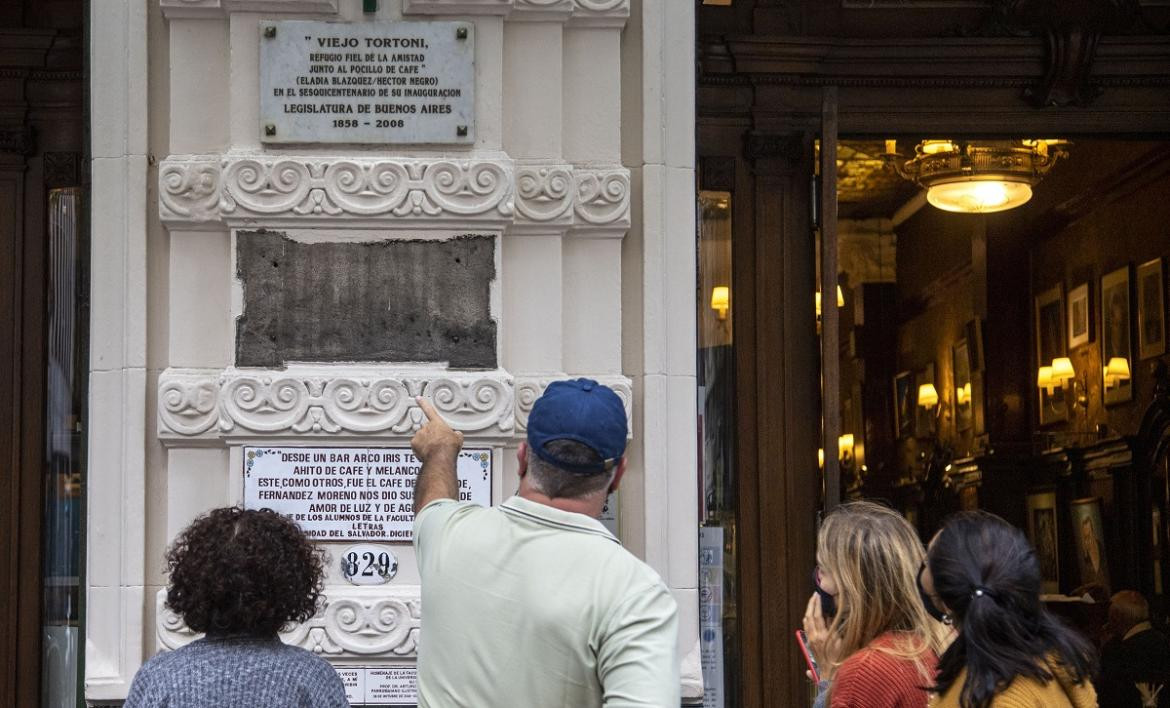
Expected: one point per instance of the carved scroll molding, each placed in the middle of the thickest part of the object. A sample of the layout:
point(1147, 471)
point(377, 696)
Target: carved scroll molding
point(456, 7)
point(247, 190)
point(221, 405)
point(351, 622)
point(588, 13)
point(600, 13)
point(530, 388)
point(545, 194)
point(602, 201)
point(541, 10)
point(203, 9)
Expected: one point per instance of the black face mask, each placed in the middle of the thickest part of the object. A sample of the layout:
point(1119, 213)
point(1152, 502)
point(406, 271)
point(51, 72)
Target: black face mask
point(931, 608)
point(828, 602)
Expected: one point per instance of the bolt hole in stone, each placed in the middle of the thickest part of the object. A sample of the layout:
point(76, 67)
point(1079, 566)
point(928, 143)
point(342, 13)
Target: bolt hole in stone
point(368, 301)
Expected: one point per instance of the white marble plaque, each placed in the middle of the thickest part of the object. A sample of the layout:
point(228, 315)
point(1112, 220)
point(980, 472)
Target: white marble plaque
point(351, 493)
point(380, 685)
point(367, 82)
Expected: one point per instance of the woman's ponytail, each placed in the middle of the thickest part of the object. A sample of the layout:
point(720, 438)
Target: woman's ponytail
point(986, 572)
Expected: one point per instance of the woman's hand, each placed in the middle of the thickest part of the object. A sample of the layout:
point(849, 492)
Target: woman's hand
point(824, 646)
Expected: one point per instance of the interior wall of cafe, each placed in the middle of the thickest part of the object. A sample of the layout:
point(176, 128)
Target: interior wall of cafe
point(584, 107)
point(1101, 209)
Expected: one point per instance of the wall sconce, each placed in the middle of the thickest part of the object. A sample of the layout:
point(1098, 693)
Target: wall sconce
point(821, 457)
point(1045, 381)
point(927, 395)
point(963, 394)
point(721, 300)
point(1116, 372)
point(845, 446)
point(1062, 370)
point(840, 299)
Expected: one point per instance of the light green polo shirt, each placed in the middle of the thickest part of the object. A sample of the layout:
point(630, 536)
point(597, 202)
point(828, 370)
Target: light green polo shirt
point(527, 606)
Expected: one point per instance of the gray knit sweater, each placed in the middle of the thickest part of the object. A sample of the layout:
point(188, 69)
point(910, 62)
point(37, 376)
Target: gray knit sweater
point(236, 672)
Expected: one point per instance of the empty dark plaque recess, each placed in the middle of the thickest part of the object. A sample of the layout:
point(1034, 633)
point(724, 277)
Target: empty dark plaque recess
point(382, 301)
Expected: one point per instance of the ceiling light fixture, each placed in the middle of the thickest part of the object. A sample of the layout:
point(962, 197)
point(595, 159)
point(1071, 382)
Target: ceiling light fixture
point(977, 177)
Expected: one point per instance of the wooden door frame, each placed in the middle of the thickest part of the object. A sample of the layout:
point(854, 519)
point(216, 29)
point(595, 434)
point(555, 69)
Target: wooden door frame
point(760, 104)
point(41, 132)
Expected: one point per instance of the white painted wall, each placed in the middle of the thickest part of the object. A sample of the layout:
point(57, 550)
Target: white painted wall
point(585, 120)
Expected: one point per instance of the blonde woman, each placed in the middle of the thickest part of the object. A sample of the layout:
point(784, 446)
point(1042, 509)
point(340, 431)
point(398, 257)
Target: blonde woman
point(876, 646)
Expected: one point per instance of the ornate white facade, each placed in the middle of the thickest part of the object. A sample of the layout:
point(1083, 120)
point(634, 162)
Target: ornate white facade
point(581, 171)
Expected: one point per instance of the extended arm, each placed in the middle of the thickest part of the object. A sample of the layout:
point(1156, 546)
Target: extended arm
point(437, 446)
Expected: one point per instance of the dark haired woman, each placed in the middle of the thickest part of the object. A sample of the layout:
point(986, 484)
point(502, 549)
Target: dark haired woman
point(240, 576)
point(982, 574)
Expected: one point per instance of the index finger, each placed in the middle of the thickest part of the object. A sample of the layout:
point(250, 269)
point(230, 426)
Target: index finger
point(428, 409)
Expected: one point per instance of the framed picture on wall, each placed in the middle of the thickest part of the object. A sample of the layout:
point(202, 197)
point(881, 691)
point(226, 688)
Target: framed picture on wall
point(1116, 340)
point(1089, 539)
point(1050, 345)
point(974, 332)
point(1080, 317)
point(924, 417)
point(1151, 310)
point(961, 374)
point(904, 402)
point(1042, 532)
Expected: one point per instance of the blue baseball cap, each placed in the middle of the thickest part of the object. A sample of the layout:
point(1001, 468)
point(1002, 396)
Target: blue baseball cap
point(584, 411)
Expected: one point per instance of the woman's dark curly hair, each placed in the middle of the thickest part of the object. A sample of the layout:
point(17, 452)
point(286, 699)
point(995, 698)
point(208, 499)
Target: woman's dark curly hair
point(237, 571)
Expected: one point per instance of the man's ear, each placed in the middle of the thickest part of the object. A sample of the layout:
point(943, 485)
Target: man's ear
point(522, 458)
point(617, 475)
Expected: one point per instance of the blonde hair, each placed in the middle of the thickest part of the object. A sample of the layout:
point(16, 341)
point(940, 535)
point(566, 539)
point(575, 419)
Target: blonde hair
point(874, 556)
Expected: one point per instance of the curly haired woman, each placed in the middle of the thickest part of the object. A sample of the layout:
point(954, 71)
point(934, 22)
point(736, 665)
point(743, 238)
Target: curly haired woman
point(240, 576)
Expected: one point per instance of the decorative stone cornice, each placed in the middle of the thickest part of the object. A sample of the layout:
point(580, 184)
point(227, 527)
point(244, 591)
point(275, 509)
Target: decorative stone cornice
point(214, 406)
point(328, 401)
point(602, 202)
point(530, 388)
point(456, 7)
point(203, 9)
point(249, 190)
point(545, 194)
point(600, 13)
point(541, 10)
point(267, 190)
point(351, 622)
point(585, 13)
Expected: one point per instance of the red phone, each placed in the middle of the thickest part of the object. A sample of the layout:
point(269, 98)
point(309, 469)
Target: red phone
point(802, 640)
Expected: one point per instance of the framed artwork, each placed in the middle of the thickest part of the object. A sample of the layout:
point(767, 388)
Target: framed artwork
point(1156, 547)
point(924, 417)
point(905, 401)
point(1080, 317)
point(978, 414)
point(1151, 310)
point(974, 332)
point(961, 370)
point(1116, 340)
point(1089, 539)
point(1042, 532)
point(1050, 344)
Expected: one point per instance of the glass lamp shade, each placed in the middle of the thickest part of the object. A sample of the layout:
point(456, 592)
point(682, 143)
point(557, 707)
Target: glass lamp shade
point(1044, 379)
point(979, 195)
point(1116, 371)
point(927, 395)
point(721, 300)
point(845, 444)
point(1062, 369)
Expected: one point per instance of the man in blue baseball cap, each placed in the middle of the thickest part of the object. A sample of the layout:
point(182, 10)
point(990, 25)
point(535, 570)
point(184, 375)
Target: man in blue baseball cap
point(534, 603)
